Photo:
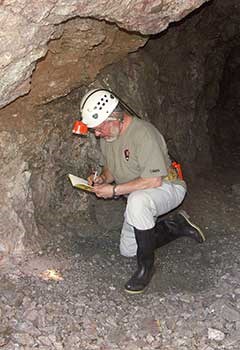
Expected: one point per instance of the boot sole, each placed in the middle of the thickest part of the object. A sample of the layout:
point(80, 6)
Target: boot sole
point(135, 292)
point(186, 217)
point(142, 290)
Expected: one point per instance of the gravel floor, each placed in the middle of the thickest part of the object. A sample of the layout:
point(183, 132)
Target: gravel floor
point(193, 301)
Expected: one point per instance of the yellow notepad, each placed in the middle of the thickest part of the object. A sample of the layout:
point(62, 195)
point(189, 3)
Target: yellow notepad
point(80, 183)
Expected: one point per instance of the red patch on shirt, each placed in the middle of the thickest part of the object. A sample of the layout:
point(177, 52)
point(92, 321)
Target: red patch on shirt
point(126, 154)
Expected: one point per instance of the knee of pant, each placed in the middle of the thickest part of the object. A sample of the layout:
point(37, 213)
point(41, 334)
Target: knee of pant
point(137, 205)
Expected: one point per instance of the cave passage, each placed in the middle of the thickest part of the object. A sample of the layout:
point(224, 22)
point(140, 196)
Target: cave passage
point(224, 123)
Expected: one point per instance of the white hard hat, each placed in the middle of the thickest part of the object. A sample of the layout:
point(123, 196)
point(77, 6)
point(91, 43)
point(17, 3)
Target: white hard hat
point(96, 106)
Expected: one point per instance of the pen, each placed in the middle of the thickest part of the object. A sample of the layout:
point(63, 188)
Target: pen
point(94, 177)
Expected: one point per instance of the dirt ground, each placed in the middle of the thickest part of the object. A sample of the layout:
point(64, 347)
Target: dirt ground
point(193, 301)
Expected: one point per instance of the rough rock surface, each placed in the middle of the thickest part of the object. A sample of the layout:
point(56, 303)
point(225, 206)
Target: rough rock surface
point(85, 47)
point(17, 210)
point(27, 26)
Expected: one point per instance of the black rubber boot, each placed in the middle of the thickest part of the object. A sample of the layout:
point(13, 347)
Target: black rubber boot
point(145, 261)
point(180, 226)
point(164, 233)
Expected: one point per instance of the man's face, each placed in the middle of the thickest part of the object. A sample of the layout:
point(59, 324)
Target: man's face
point(109, 130)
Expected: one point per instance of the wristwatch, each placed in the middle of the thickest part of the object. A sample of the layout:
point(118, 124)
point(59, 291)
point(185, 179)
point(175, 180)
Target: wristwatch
point(114, 192)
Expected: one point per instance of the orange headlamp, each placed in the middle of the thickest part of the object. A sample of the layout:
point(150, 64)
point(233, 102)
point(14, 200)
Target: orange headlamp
point(80, 128)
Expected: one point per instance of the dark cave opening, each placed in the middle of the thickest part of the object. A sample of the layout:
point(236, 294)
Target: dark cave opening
point(224, 123)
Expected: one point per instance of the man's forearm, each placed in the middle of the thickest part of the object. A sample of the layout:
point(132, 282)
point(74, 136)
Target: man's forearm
point(137, 184)
point(107, 176)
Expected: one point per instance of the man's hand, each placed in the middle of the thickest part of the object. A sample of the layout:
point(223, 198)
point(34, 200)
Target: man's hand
point(95, 180)
point(103, 191)
point(105, 178)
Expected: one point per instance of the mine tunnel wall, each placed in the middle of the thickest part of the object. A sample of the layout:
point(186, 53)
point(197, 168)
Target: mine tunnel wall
point(174, 81)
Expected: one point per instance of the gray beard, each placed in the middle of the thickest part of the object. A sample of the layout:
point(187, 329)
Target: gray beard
point(111, 139)
point(115, 132)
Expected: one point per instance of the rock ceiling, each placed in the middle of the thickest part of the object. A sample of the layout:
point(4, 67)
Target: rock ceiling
point(29, 31)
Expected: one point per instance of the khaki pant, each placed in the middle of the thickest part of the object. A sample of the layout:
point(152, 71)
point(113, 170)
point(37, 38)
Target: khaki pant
point(143, 208)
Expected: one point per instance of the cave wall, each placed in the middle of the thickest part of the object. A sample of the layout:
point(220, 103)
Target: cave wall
point(174, 81)
point(37, 148)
